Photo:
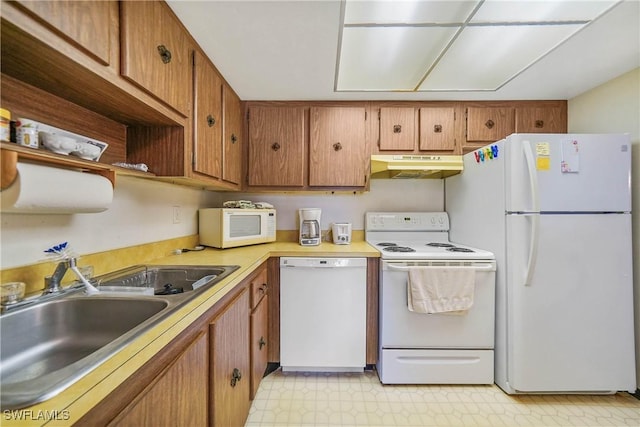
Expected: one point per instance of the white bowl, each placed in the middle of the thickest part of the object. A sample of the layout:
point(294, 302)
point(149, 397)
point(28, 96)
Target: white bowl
point(57, 143)
point(87, 151)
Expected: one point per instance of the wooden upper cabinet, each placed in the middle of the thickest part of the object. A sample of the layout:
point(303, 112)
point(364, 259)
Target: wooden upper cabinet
point(156, 52)
point(541, 120)
point(232, 141)
point(337, 146)
point(276, 146)
point(437, 129)
point(489, 124)
point(207, 135)
point(397, 129)
point(85, 24)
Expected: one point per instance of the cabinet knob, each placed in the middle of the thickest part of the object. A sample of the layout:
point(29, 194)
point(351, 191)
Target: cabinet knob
point(261, 343)
point(337, 146)
point(275, 146)
point(397, 128)
point(234, 138)
point(263, 288)
point(437, 128)
point(211, 120)
point(236, 376)
point(490, 124)
point(165, 53)
point(539, 124)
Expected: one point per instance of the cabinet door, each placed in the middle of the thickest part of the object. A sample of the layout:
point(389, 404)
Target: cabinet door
point(85, 24)
point(437, 129)
point(230, 364)
point(156, 52)
point(540, 120)
point(207, 135)
point(276, 146)
point(397, 129)
point(259, 340)
point(232, 141)
point(489, 124)
point(337, 147)
point(177, 397)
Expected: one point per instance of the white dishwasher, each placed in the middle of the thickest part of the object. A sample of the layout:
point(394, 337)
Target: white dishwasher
point(323, 314)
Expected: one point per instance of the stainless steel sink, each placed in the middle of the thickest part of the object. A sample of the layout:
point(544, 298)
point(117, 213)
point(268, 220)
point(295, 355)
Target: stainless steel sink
point(47, 346)
point(166, 280)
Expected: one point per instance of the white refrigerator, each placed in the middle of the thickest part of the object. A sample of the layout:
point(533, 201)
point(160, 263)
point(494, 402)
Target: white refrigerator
point(555, 209)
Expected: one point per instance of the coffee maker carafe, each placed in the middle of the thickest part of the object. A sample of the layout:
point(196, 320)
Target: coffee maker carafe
point(310, 226)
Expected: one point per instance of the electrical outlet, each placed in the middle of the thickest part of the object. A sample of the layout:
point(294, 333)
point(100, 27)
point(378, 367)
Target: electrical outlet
point(177, 215)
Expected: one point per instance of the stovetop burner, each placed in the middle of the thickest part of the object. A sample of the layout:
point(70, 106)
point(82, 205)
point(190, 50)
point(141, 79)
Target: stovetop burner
point(456, 249)
point(387, 244)
point(398, 249)
point(440, 245)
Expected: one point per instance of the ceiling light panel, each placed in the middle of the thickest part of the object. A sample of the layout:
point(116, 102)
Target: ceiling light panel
point(496, 11)
point(388, 58)
point(486, 57)
point(407, 12)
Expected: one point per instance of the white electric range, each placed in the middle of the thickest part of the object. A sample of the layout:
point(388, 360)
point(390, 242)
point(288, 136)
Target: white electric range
point(417, 348)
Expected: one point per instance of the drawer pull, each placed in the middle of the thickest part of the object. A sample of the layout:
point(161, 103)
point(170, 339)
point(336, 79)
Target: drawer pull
point(261, 343)
point(397, 128)
point(263, 288)
point(275, 146)
point(539, 124)
point(234, 138)
point(337, 146)
point(490, 124)
point(211, 120)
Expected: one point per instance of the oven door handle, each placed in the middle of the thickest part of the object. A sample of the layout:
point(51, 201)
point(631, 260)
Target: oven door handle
point(478, 267)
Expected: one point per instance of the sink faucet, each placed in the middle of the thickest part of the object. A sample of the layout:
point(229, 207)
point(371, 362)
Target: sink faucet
point(52, 283)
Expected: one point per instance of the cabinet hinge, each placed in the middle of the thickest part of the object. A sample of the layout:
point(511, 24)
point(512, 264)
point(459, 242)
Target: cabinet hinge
point(379, 116)
point(247, 115)
point(365, 115)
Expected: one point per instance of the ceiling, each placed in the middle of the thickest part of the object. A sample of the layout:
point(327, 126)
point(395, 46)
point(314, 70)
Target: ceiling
point(290, 50)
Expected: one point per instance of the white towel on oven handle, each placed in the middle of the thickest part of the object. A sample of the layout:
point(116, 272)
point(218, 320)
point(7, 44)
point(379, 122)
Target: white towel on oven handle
point(433, 290)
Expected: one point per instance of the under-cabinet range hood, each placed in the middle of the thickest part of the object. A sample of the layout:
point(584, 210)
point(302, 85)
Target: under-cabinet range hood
point(410, 166)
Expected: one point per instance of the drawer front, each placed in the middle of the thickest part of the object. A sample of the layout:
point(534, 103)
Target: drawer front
point(259, 288)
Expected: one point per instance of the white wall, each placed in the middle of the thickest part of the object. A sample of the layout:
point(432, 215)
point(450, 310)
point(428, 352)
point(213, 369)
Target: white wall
point(615, 107)
point(385, 195)
point(142, 212)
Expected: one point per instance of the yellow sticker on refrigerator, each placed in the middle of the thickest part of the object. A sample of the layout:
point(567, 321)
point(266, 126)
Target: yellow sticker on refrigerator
point(543, 163)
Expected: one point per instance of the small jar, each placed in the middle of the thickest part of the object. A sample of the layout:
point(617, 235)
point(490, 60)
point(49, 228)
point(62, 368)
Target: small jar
point(5, 125)
point(27, 133)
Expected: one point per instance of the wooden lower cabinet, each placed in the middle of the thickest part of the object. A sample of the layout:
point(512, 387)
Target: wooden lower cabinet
point(177, 396)
point(259, 343)
point(230, 364)
point(204, 376)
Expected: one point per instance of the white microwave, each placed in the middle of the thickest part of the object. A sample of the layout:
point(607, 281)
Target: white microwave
point(228, 228)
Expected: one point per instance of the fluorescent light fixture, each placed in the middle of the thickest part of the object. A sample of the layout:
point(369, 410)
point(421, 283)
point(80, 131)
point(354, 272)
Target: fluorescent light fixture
point(436, 45)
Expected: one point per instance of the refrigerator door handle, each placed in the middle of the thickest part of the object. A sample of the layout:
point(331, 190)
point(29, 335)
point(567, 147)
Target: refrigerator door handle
point(533, 181)
point(535, 218)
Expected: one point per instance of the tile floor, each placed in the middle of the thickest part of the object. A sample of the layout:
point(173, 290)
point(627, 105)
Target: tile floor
point(347, 399)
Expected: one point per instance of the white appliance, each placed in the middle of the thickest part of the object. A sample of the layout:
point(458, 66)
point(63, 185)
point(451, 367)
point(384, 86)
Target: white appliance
point(231, 227)
point(556, 211)
point(310, 232)
point(417, 348)
point(341, 233)
point(323, 314)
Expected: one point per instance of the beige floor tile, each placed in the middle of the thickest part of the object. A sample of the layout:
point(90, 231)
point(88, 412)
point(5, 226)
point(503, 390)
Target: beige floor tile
point(287, 399)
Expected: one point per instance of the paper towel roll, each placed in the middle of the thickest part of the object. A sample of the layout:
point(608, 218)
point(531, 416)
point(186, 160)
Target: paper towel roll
point(49, 190)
